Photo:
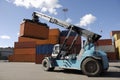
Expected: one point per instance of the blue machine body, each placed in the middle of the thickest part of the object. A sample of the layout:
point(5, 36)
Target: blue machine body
point(89, 52)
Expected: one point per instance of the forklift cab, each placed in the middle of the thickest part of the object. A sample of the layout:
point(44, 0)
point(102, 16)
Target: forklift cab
point(56, 51)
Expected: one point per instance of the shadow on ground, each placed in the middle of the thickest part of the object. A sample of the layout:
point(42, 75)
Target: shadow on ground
point(105, 74)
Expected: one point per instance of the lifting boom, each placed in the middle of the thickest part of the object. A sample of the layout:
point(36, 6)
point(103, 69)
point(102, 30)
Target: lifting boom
point(92, 37)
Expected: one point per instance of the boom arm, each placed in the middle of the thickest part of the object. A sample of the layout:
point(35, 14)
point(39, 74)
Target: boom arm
point(92, 37)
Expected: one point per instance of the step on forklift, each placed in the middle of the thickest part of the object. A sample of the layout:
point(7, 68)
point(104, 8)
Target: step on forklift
point(90, 61)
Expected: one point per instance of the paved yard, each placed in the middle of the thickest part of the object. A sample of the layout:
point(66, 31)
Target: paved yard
point(32, 71)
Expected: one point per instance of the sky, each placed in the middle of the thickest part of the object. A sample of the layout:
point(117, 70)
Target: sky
point(99, 16)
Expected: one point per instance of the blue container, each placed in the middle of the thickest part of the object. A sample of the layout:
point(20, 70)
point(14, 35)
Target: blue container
point(44, 49)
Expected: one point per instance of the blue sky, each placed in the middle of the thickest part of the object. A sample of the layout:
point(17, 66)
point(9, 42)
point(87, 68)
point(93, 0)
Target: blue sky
point(96, 15)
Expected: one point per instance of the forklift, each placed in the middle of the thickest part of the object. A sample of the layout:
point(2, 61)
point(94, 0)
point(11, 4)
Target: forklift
point(90, 61)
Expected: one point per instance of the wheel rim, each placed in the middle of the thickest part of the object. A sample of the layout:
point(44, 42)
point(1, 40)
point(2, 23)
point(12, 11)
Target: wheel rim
point(91, 67)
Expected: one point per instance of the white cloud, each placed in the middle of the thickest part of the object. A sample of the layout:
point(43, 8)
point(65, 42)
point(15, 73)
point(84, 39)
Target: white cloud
point(18, 34)
point(44, 5)
point(86, 20)
point(68, 20)
point(5, 37)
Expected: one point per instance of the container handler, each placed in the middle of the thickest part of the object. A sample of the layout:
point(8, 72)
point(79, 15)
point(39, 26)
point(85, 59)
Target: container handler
point(90, 61)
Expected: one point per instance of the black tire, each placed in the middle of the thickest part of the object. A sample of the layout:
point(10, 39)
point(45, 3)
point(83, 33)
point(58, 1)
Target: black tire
point(46, 65)
point(91, 67)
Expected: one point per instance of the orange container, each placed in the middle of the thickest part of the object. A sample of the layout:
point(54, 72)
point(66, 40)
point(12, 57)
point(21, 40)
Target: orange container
point(54, 32)
point(24, 50)
point(23, 58)
point(38, 41)
point(11, 58)
point(34, 30)
point(53, 39)
point(24, 44)
point(40, 57)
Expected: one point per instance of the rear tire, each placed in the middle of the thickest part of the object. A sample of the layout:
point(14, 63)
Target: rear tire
point(91, 67)
point(46, 65)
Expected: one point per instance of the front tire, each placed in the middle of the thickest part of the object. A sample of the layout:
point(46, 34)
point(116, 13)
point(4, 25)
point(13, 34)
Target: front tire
point(46, 65)
point(91, 67)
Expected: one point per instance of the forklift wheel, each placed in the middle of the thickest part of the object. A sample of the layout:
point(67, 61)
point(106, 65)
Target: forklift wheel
point(91, 67)
point(46, 65)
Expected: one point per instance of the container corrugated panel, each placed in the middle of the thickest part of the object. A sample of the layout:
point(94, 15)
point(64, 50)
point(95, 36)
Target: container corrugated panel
point(34, 30)
point(106, 48)
point(117, 43)
point(44, 49)
point(70, 40)
point(65, 32)
point(24, 44)
point(24, 50)
point(112, 55)
point(53, 39)
point(23, 58)
point(38, 41)
point(114, 32)
point(116, 36)
point(104, 42)
point(54, 32)
point(40, 57)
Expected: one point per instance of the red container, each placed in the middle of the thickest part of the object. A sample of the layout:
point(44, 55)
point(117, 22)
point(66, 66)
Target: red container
point(114, 32)
point(112, 56)
point(104, 42)
point(34, 30)
point(24, 44)
point(40, 57)
point(38, 41)
point(24, 50)
point(70, 40)
point(22, 58)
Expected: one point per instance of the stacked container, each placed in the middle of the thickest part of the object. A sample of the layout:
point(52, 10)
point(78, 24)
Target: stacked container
point(44, 50)
point(106, 46)
point(116, 38)
point(77, 45)
point(31, 34)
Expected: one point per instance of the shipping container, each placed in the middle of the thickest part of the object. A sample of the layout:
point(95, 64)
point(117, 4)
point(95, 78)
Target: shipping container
point(44, 49)
point(38, 41)
point(24, 44)
point(34, 30)
point(53, 39)
point(70, 40)
point(116, 36)
point(117, 43)
point(11, 58)
point(114, 32)
point(22, 58)
point(40, 57)
point(106, 48)
point(104, 42)
point(24, 50)
point(54, 32)
point(65, 32)
point(112, 56)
